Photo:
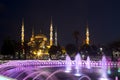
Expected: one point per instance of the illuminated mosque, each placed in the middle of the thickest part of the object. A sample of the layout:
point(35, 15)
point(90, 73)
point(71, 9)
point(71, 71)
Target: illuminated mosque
point(39, 44)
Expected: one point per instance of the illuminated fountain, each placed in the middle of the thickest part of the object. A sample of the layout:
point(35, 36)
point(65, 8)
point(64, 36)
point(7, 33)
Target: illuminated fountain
point(104, 66)
point(116, 78)
point(60, 69)
point(119, 65)
point(119, 69)
point(78, 64)
point(68, 64)
point(104, 69)
point(88, 63)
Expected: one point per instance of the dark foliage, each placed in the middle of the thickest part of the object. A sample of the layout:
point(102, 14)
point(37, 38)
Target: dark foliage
point(71, 49)
point(54, 50)
point(8, 47)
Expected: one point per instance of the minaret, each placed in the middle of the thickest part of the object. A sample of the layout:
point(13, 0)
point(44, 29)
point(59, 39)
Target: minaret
point(33, 32)
point(56, 36)
point(87, 35)
point(22, 33)
point(22, 37)
point(32, 37)
point(51, 33)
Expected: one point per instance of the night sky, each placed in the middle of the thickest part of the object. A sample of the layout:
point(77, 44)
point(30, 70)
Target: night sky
point(103, 17)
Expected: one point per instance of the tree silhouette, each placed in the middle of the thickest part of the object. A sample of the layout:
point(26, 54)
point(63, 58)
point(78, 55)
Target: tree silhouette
point(115, 45)
point(8, 47)
point(54, 50)
point(71, 50)
point(76, 37)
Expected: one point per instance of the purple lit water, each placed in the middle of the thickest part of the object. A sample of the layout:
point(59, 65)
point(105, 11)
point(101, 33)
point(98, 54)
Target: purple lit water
point(116, 78)
point(78, 64)
point(56, 69)
point(68, 64)
point(88, 62)
point(104, 67)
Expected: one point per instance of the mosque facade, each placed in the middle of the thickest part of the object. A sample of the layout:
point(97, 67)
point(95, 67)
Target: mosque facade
point(39, 44)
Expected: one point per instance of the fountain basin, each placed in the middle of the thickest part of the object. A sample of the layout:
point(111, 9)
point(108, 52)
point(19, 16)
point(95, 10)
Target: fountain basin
point(55, 70)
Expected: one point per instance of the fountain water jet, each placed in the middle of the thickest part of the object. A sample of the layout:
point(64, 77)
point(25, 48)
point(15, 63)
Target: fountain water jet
point(88, 63)
point(30, 75)
point(68, 64)
point(78, 64)
point(119, 70)
point(61, 72)
point(104, 69)
point(116, 78)
point(46, 75)
point(109, 70)
point(84, 76)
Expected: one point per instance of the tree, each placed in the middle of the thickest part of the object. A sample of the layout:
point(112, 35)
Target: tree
point(54, 50)
point(71, 50)
point(115, 45)
point(76, 36)
point(18, 49)
point(8, 47)
point(26, 48)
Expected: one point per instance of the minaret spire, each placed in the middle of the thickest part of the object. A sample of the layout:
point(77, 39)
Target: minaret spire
point(56, 36)
point(22, 37)
point(87, 35)
point(22, 33)
point(32, 32)
point(51, 33)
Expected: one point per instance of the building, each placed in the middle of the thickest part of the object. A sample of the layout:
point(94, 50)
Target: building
point(39, 44)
